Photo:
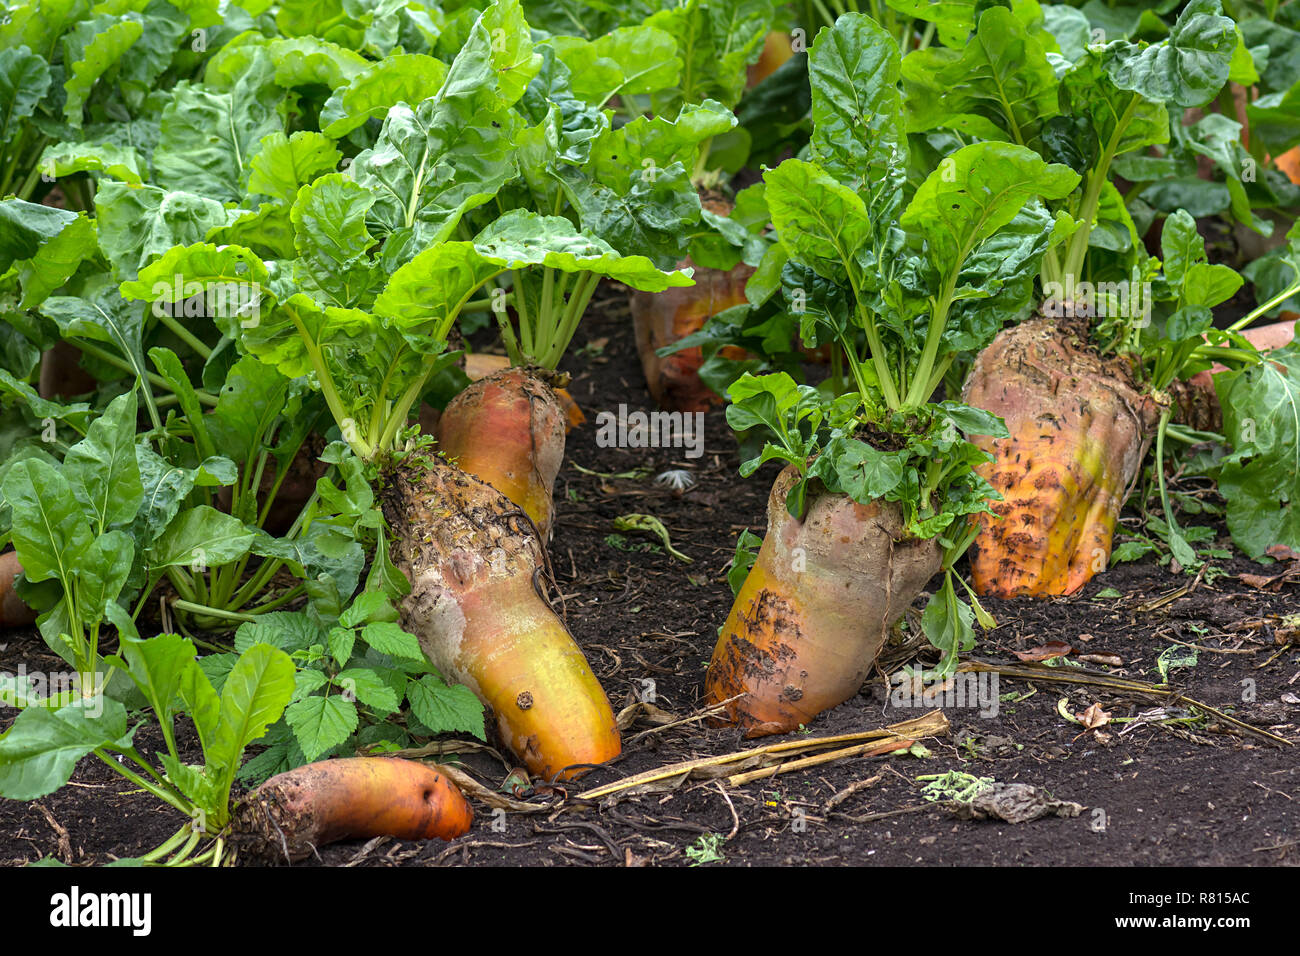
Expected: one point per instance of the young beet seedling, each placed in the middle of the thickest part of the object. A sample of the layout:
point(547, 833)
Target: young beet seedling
point(41, 750)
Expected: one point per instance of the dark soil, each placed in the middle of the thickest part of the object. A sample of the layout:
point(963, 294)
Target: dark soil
point(1172, 788)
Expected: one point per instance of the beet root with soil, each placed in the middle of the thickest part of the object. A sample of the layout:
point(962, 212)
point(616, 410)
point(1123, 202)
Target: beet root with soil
point(479, 607)
point(1079, 431)
point(815, 609)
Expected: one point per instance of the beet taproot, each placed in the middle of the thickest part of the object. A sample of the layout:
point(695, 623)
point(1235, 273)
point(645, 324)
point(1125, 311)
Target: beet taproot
point(778, 47)
point(293, 814)
point(13, 612)
point(508, 430)
point(660, 319)
point(477, 566)
point(815, 609)
point(1080, 428)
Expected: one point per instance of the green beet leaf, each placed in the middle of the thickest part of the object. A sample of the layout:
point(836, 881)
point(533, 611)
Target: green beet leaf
point(49, 525)
point(822, 222)
point(333, 242)
point(999, 85)
point(975, 192)
point(254, 696)
point(409, 78)
point(200, 537)
point(209, 137)
point(431, 165)
point(102, 470)
point(1261, 419)
point(283, 164)
point(631, 60)
point(1187, 69)
point(24, 78)
point(89, 51)
point(138, 224)
point(39, 753)
point(858, 135)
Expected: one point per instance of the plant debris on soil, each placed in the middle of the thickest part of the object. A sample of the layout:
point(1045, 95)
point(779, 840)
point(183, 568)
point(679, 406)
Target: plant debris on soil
point(1101, 770)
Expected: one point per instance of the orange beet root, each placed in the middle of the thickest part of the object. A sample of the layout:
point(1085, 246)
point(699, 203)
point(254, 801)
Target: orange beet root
point(662, 318)
point(508, 430)
point(351, 798)
point(1289, 163)
point(777, 48)
point(1079, 431)
point(13, 612)
point(475, 566)
point(482, 364)
point(815, 609)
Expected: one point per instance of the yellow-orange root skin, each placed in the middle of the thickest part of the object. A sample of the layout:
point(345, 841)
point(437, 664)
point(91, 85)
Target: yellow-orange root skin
point(777, 48)
point(662, 318)
point(508, 429)
point(352, 798)
point(1289, 163)
point(1079, 430)
point(475, 566)
point(550, 709)
point(13, 612)
point(482, 364)
point(814, 610)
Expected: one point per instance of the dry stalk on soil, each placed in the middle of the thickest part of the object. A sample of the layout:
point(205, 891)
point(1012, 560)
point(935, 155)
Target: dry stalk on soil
point(933, 724)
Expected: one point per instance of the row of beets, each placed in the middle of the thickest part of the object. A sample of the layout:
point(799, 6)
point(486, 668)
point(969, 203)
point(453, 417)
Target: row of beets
point(895, 267)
